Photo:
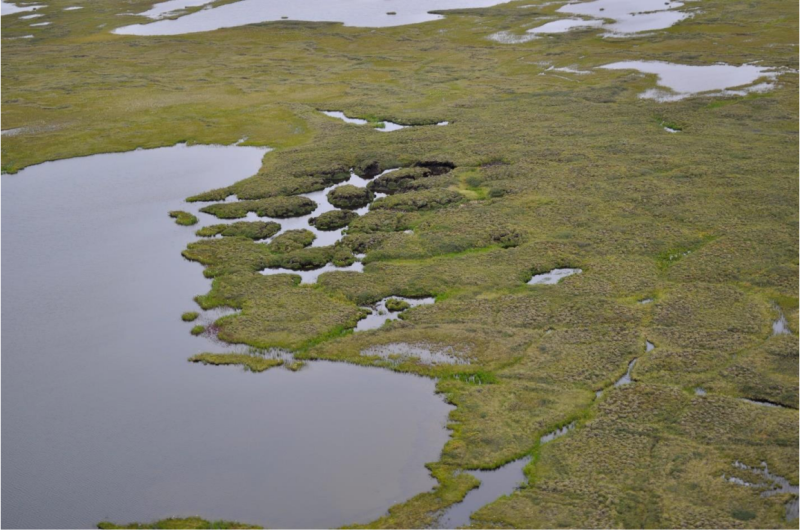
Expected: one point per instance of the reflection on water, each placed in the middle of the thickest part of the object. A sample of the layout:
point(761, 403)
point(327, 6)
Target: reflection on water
point(103, 416)
point(361, 13)
point(7, 8)
point(558, 433)
point(684, 80)
point(630, 16)
point(494, 484)
point(781, 325)
point(382, 126)
point(552, 277)
point(379, 315)
point(773, 485)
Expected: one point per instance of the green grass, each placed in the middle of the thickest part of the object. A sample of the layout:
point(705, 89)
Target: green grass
point(252, 363)
point(255, 230)
point(183, 218)
point(394, 305)
point(190, 316)
point(179, 523)
point(534, 171)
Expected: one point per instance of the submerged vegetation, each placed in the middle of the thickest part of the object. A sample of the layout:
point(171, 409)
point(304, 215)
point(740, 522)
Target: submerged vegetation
point(538, 169)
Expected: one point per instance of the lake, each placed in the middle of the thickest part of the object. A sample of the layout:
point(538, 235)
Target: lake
point(104, 418)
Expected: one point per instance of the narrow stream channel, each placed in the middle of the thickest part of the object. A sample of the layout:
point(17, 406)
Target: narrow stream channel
point(117, 425)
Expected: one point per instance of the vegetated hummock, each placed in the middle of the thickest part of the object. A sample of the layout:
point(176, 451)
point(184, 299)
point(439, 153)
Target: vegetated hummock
point(253, 363)
point(544, 169)
point(183, 218)
point(180, 523)
point(255, 230)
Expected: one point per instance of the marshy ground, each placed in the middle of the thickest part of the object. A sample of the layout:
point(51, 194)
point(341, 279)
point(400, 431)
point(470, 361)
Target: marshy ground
point(547, 162)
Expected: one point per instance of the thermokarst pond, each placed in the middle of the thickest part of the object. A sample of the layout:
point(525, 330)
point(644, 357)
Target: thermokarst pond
point(7, 8)
point(361, 13)
point(683, 80)
point(118, 425)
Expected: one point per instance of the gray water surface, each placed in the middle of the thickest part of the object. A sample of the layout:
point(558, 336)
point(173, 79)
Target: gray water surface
point(552, 277)
point(684, 80)
point(8, 8)
point(104, 418)
point(360, 13)
point(494, 484)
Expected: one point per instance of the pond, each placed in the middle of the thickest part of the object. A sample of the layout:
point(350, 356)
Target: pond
point(360, 13)
point(104, 418)
point(630, 16)
point(683, 80)
point(7, 8)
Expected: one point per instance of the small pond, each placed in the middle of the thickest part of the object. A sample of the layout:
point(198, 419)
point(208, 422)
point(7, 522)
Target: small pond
point(552, 277)
point(683, 80)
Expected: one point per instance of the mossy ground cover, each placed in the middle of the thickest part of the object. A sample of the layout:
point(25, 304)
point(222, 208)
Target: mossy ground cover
point(541, 170)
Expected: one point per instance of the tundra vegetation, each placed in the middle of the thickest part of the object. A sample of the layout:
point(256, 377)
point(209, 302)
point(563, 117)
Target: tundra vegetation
point(178, 523)
point(190, 316)
point(538, 169)
point(183, 218)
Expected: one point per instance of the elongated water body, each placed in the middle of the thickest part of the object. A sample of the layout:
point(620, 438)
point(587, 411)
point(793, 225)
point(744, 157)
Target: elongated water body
point(564, 25)
point(630, 16)
point(773, 485)
point(684, 80)
point(380, 315)
point(494, 484)
point(360, 13)
point(103, 416)
point(552, 277)
point(386, 126)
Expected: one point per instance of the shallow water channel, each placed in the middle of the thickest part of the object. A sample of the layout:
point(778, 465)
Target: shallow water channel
point(104, 418)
